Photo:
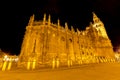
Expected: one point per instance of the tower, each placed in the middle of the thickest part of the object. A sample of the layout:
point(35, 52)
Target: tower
point(103, 46)
point(98, 24)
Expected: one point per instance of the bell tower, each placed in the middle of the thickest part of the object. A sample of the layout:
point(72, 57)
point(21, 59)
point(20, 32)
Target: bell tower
point(98, 24)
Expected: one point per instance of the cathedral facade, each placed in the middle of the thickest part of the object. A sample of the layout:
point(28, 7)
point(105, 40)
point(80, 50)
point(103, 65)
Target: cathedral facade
point(45, 42)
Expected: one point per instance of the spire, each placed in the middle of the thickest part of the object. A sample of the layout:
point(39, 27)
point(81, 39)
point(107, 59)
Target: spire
point(49, 20)
point(78, 32)
point(94, 15)
point(58, 23)
point(31, 20)
point(66, 26)
point(95, 18)
point(90, 24)
point(72, 29)
point(44, 19)
point(98, 24)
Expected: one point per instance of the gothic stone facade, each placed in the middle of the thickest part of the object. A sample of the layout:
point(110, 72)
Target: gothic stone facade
point(45, 41)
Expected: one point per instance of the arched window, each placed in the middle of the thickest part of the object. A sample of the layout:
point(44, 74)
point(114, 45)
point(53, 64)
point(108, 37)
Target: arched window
point(62, 38)
point(70, 40)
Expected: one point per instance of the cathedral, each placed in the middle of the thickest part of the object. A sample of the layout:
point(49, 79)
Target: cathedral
point(45, 42)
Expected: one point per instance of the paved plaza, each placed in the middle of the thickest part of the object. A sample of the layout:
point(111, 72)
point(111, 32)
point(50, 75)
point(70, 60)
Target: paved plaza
point(102, 71)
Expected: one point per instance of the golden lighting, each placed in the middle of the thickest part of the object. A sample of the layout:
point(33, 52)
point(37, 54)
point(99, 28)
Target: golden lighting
point(50, 45)
point(53, 45)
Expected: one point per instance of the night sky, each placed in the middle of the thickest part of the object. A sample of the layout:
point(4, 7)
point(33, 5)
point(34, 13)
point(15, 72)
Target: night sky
point(78, 13)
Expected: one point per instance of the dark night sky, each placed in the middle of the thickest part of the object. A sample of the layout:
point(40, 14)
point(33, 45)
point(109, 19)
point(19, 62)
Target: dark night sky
point(15, 16)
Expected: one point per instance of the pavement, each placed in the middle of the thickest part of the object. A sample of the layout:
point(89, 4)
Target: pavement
point(101, 71)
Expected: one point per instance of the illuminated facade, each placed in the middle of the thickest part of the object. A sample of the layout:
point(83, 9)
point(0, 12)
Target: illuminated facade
point(45, 42)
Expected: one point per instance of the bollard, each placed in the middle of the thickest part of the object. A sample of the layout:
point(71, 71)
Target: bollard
point(9, 65)
point(53, 63)
point(80, 62)
point(4, 66)
point(28, 65)
point(68, 63)
point(71, 63)
point(34, 62)
point(97, 61)
point(57, 63)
